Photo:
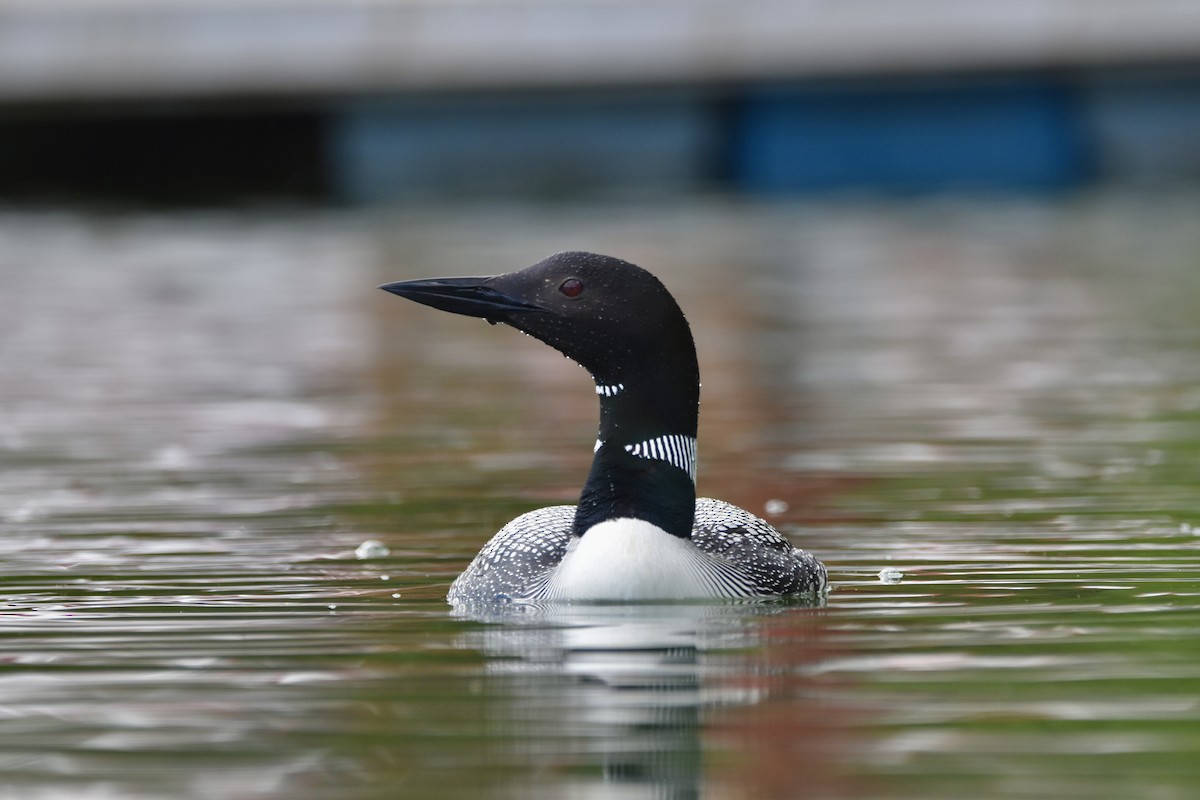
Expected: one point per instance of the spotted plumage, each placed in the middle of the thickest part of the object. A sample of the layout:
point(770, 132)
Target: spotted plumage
point(751, 557)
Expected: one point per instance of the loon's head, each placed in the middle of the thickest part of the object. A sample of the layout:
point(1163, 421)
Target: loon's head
point(612, 317)
point(622, 325)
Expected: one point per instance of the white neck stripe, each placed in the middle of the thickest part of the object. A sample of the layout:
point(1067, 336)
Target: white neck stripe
point(675, 449)
point(610, 391)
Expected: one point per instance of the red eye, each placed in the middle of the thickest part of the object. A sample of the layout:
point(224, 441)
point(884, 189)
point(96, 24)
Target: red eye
point(571, 287)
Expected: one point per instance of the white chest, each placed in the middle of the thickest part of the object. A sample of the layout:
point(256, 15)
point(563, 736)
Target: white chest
point(629, 559)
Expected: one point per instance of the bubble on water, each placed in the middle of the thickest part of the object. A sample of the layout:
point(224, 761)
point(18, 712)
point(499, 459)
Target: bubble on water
point(371, 548)
point(174, 458)
point(396, 595)
point(11, 437)
point(23, 513)
point(890, 575)
point(775, 507)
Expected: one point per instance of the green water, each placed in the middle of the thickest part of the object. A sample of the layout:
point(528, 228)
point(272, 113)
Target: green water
point(203, 416)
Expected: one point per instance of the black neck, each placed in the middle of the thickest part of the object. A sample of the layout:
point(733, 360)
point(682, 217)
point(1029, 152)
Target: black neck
point(659, 402)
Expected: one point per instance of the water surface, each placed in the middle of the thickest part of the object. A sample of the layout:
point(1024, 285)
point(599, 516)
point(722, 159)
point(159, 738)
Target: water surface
point(203, 415)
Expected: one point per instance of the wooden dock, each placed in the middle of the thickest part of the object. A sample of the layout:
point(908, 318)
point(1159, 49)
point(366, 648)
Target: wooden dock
point(391, 100)
point(72, 50)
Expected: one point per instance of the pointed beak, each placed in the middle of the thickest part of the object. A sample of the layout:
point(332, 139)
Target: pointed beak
point(469, 296)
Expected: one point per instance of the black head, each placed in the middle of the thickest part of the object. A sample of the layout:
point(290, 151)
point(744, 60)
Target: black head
point(623, 326)
point(612, 317)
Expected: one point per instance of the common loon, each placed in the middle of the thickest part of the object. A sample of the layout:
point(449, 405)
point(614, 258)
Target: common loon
point(638, 532)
